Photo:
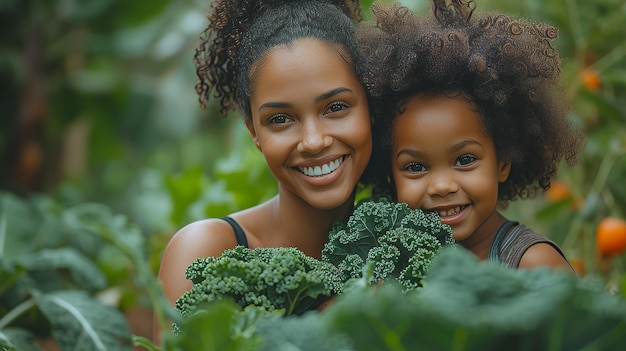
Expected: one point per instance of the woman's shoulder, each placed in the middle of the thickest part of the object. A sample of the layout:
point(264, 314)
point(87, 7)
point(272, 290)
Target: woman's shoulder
point(203, 238)
point(206, 237)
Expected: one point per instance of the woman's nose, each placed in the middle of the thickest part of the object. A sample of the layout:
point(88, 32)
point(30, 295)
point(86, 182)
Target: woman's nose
point(314, 137)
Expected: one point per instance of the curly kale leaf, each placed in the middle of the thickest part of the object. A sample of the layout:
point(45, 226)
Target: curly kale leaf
point(270, 278)
point(399, 240)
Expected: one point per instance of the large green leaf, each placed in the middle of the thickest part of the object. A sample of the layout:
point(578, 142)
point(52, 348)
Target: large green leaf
point(85, 274)
point(213, 329)
point(20, 223)
point(17, 340)
point(80, 322)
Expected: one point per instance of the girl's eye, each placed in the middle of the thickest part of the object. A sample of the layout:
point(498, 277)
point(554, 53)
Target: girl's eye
point(278, 119)
point(336, 107)
point(415, 167)
point(465, 160)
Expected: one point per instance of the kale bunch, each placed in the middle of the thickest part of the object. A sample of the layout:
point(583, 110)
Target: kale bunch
point(396, 241)
point(269, 278)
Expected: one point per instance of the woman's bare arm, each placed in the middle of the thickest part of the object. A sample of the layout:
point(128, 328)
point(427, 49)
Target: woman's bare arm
point(199, 239)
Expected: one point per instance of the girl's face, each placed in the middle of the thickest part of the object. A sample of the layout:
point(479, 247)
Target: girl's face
point(444, 161)
point(310, 119)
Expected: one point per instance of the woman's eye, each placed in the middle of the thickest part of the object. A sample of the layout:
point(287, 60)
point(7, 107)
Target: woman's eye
point(336, 107)
point(415, 167)
point(465, 160)
point(278, 119)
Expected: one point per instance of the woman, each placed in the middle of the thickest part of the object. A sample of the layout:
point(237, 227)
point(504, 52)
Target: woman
point(291, 68)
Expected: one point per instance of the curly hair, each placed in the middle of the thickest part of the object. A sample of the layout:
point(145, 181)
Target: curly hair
point(506, 67)
point(240, 32)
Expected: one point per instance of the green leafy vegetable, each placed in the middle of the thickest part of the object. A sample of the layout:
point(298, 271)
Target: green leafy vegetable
point(270, 278)
point(401, 242)
point(221, 325)
point(468, 304)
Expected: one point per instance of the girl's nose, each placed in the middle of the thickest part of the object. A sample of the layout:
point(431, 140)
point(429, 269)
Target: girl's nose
point(442, 184)
point(314, 137)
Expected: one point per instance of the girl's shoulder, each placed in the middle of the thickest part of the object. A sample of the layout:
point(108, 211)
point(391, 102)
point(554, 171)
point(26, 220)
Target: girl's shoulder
point(525, 248)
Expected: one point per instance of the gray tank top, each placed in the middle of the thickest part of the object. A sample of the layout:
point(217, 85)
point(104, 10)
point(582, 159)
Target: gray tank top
point(508, 248)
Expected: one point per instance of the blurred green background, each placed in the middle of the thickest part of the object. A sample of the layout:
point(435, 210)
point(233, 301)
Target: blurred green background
point(98, 106)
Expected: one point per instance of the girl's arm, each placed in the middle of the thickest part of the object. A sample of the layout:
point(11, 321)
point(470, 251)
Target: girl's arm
point(544, 255)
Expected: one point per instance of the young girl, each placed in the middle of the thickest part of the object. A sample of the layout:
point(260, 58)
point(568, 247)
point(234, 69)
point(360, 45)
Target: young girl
point(291, 68)
point(471, 116)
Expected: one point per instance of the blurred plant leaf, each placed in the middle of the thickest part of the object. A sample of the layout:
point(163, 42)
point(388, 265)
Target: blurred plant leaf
point(80, 322)
point(17, 339)
point(85, 274)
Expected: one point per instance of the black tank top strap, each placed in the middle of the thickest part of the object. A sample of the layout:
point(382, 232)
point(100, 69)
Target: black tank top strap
point(240, 235)
point(496, 245)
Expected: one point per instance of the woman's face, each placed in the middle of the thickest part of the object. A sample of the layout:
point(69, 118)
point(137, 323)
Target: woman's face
point(310, 119)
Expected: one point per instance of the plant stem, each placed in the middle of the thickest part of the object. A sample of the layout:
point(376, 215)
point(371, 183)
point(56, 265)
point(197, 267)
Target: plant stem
point(607, 339)
point(3, 230)
point(596, 187)
point(611, 58)
point(16, 312)
point(459, 339)
point(574, 22)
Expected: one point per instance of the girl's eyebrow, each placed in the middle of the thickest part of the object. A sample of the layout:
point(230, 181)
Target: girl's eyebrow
point(463, 144)
point(455, 148)
point(410, 152)
point(324, 96)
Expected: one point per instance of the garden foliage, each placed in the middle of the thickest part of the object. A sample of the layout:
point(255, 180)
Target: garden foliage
point(57, 262)
point(465, 304)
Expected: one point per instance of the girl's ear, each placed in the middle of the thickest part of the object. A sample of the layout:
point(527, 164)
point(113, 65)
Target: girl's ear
point(504, 168)
point(250, 127)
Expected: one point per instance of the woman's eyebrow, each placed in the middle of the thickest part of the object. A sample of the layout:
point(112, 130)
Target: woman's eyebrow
point(324, 96)
point(332, 93)
point(274, 105)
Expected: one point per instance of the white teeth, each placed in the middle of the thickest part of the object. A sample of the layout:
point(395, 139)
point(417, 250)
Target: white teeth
point(323, 169)
point(450, 212)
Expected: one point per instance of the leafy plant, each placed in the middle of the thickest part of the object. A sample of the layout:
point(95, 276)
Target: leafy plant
point(270, 278)
point(45, 280)
point(466, 304)
point(399, 242)
point(52, 270)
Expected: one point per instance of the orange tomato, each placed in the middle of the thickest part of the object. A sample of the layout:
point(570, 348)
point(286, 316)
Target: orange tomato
point(611, 236)
point(590, 78)
point(558, 191)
